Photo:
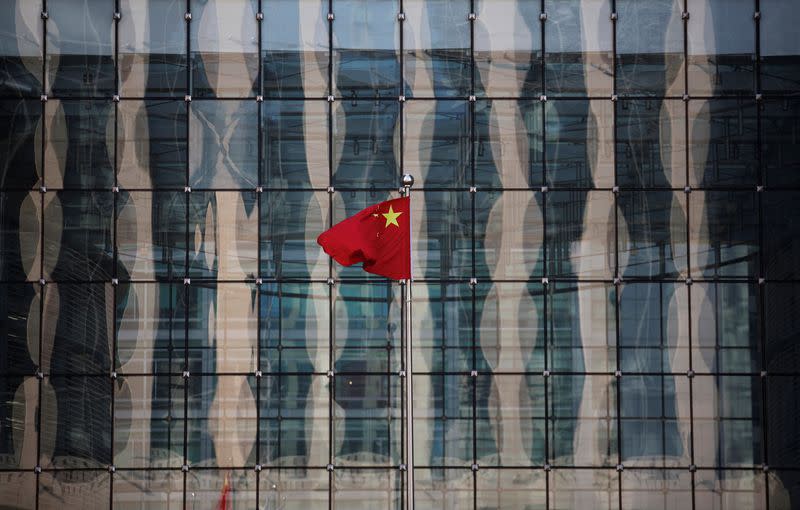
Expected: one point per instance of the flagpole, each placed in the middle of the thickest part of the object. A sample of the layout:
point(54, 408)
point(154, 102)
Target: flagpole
point(408, 181)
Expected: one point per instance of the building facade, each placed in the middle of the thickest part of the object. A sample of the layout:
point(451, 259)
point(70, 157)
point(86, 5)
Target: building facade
point(606, 252)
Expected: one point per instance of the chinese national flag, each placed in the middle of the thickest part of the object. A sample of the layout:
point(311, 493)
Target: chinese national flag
point(379, 236)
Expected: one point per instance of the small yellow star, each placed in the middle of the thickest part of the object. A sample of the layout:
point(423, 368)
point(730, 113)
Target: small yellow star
point(391, 217)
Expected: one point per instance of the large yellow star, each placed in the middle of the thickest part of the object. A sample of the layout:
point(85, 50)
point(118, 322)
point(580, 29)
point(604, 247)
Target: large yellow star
point(391, 217)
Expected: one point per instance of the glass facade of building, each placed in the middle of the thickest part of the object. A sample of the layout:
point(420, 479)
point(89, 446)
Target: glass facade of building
point(606, 224)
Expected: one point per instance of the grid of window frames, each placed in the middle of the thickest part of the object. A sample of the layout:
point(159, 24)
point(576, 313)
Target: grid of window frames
point(606, 249)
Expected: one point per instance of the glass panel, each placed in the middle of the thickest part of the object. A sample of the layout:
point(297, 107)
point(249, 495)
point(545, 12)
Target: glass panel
point(442, 244)
point(780, 152)
point(78, 328)
point(651, 143)
point(436, 141)
point(656, 489)
point(510, 326)
point(19, 328)
point(653, 327)
point(294, 42)
point(436, 39)
point(74, 489)
point(224, 48)
point(224, 141)
point(21, 48)
point(152, 48)
point(442, 327)
point(367, 328)
point(366, 56)
point(366, 421)
point(443, 420)
point(294, 426)
point(19, 489)
point(148, 422)
point(596, 489)
point(508, 234)
point(138, 490)
point(721, 47)
point(579, 47)
point(291, 221)
point(652, 234)
point(581, 327)
point(781, 234)
point(294, 327)
point(362, 489)
point(725, 327)
point(221, 423)
point(364, 143)
point(446, 489)
point(76, 424)
point(19, 402)
point(655, 424)
point(724, 234)
point(80, 48)
point(580, 144)
point(582, 420)
point(20, 235)
point(205, 489)
point(508, 144)
point(507, 48)
point(151, 235)
point(782, 300)
point(20, 124)
point(294, 489)
point(79, 153)
point(783, 398)
point(498, 489)
point(783, 493)
point(223, 327)
point(723, 146)
point(727, 421)
point(780, 41)
point(295, 146)
point(78, 235)
point(580, 234)
point(223, 235)
point(650, 47)
point(151, 144)
point(738, 490)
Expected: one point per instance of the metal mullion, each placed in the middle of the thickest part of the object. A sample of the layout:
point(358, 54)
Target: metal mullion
point(331, 301)
point(115, 220)
point(258, 286)
point(473, 380)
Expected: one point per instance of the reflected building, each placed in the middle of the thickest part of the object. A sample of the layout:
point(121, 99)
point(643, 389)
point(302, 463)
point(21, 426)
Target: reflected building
point(605, 233)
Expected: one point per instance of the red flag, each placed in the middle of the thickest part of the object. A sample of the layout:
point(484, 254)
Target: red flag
point(379, 236)
point(223, 499)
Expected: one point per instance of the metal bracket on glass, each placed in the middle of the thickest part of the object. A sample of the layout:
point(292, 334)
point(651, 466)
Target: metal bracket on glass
point(187, 281)
point(473, 282)
point(331, 99)
point(330, 467)
point(186, 374)
point(188, 16)
point(258, 374)
point(44, 15)
point(618, 373)
point(613, 16)
point(620, 468)
point(114, 189)
point(259, 281)
point(39, 375)
point(330, 373)
point(331, 190)
point(187, 189)
point(37, 470)
point(543, 189)
point(259, 189)
point(762, 281)
point(765, 468)
point(472, 99)
point(42, 189)
point(113, 375)
point(259, 99)
point(614, 97)
point(546, 373)
point(117, 16)
point(42, 281)
point(473, 189)
point(473, 373)
point(472, 16)
point(545, 281)
point(43, 98)
point(187, 98)
point(115, 98)
point(543, 98)
point(401, 373)
point(402, 467)
point(257, 468)
point(475, 467)
point(331, 17)
point(759, 188)
point(685, 98)
point(543, 16)
point(115, 281)
point(689, 281)
point(763, 374)
point(617, 280)
point(259, 16)
point(759, 96)
point(615, 189)
point(546, 467)
point(685, 15)
point(402, 99)
point(692, 468)
point(687, 189)
point(757, 15)
point(690, 374)
point(331, 282)
point(112, 469)
point(185, 468)
point(401, 16)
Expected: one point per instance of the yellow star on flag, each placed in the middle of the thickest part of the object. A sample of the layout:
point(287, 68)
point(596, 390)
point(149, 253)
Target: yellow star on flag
point(391, 217)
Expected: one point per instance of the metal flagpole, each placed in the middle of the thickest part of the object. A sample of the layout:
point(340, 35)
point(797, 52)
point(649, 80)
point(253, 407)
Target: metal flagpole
point(408, 181)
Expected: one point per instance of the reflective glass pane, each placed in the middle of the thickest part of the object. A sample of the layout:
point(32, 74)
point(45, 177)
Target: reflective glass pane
point(19, 489)
point(445, 488)
point(782, 329)
point(224, 48)
point(204, 488)
point(19, 327)
point(781, 235)
point(80, 48)
point(739, 489)
point(597, 489)
point(721, 47)
point(224, 140)
point(580, 234)
point(780, 155)
point(365, 52)
point(19, 397)
point(443, 412)
point(152, 48)
point(783, 447)
point(294, 48)
point(360, 489)
point(436, 39)
point(74, 489)
point(20, 155)
point(221, 424)
point(580, 141)
point(508, 145)
point(579, 47)
point(508, 488)
point(148, 421)
point(21, 48)
point(291, 221)
point(135, 490)
point(294, 488)
point(779, 47)
point(656, 489)
point(20, 235)
point(649, 47)
point(295, 144)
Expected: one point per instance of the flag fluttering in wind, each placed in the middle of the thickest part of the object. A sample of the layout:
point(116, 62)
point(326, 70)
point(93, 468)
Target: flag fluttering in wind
point(223, 498)
point(379, 237)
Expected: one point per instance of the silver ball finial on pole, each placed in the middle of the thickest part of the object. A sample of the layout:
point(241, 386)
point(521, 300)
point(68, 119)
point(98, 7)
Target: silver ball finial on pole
point(408, 180)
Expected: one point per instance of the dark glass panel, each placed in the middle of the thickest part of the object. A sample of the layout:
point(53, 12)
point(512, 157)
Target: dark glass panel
point(780, 148)
point(580, 234)
point(21, 48)
point(295, 144)
point(579, 144)
point(781, 302)
point(19, 428)
point(20, 167)
point(19, 328)
point(780, 40)
point(20, 235)
point(781, 235)
point(783, 421)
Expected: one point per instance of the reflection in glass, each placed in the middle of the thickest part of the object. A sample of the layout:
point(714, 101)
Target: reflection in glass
point(295, 144)
point(20, 167)
point(21, 53)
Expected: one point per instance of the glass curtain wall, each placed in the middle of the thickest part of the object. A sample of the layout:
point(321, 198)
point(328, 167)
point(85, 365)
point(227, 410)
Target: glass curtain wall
point(605, 217)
